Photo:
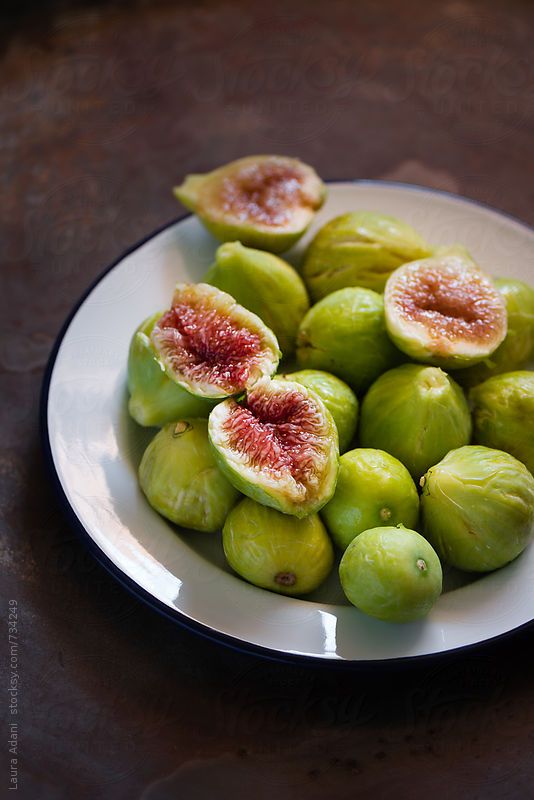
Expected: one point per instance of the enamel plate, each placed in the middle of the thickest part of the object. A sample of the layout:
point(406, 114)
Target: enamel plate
point(95, 448)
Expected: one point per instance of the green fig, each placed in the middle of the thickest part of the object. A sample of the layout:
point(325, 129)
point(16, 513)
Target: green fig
point(518, 346)
point(503, 414)
point(210, 345)
point(417, 414)
point(265, 285)
point(361, 248)
point(345, 333)
point(263, 201)
point(444, 311)
point(277, 552)
point(154, 398)
point(392, 574)
point(180, 478)
point(279, 446)
point(478, 508)
point(373, 489)
point(338, 398)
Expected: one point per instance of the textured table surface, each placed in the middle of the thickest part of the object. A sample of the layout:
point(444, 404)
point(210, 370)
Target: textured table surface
point(102, 109)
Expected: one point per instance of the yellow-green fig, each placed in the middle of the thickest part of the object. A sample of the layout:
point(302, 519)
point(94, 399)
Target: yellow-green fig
point(266, 285)
point(417, 414)
point(478, 508)
point(503, 414)
point(390, 573)
point(180, 478)
point(275, 551)
point(373, 489)
point(262, 201)
point(345, 334)
point(361, 248)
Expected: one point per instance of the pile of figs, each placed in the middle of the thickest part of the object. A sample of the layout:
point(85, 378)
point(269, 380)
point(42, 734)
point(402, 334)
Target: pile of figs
point(392, 419)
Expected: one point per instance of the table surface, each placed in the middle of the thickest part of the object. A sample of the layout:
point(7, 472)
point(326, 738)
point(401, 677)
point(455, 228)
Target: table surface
point(103, 108)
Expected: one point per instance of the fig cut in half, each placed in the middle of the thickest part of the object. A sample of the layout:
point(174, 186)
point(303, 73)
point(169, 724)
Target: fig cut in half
point(444, 311)
point(210, 345)
point(262, 201)
point(279, 446)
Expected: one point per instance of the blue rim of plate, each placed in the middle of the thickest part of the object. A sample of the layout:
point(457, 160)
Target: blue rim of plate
point(176, 616)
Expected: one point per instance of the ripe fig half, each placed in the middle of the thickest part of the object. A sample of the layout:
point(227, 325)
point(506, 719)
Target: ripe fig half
point(279, 446)
point(444, 311)
point(262, 201)
point(210, 345)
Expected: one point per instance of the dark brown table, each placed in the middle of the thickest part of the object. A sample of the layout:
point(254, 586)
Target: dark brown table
point(102, 108)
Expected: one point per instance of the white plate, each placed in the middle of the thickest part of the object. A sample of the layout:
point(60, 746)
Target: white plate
point(95, 448)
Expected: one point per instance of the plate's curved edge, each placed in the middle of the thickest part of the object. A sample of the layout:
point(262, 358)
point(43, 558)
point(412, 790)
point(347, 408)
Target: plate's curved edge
point(174, 615)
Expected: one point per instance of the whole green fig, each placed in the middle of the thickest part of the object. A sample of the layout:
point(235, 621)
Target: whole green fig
point(361, 248)
point(478, 508)
point(373, 489)
point(417, 414)
point(275, 551)
point(503, 414)
point(345, 333)
point(181, 480)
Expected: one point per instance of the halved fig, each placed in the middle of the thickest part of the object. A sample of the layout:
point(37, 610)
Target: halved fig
point(210, 345)
point(263, 201)
point(279, 446)
point(444, 311)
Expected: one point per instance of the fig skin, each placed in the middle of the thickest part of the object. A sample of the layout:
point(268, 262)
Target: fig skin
point(517, 349)
point(180, 478)
point(416, 413)
point(277, 552)
point(338, 398)
point(206, 300)
point(154, 398)
point(345, 334)
point(361, 248)
point(278, 489)
point(373, 490)
point(460, 316)
point(503, 414)
point(392, 574)
point(265, 285)
point(207, 196)
point(477, 508)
